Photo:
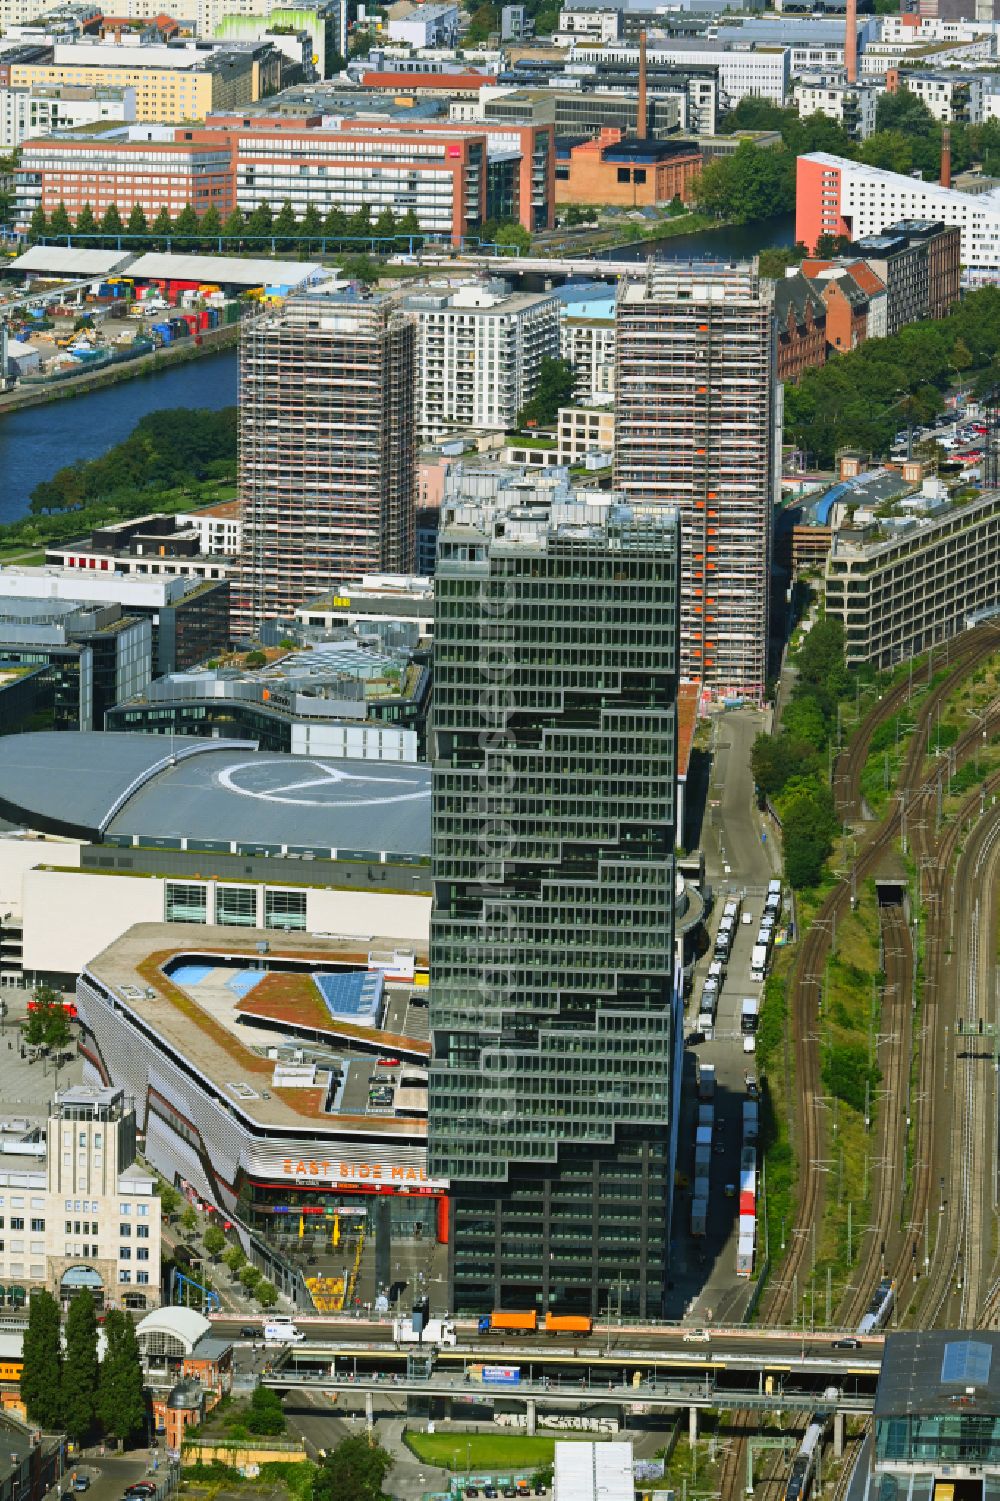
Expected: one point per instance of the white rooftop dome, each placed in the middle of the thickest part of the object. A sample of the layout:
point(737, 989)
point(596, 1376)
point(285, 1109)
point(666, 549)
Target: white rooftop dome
point(171, 1331)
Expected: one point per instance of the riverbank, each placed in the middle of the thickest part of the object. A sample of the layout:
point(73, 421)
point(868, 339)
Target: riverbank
point(25, 541)
point(213, 342)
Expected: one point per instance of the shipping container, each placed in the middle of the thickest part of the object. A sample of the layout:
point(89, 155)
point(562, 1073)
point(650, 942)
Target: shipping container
point(702, 1161)
point(748, 1226)
point(701, 1187)
point(751, 1121)
point(744, 1258)
point(526, 1320)
point(699, 1216)
point(706, 1081)
point(706, 1115)
point(568, 1323)
point(703, 1136)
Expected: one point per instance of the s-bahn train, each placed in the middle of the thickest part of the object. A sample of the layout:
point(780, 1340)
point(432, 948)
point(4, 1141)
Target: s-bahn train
point(803, 1468)
point(878, 1310)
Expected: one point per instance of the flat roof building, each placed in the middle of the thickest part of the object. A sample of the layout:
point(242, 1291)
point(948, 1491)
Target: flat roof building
point(937, 1414)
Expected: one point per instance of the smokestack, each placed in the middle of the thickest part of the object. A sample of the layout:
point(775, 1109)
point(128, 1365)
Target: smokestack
point(641, 114)
point(851, 42)
point(946, 156)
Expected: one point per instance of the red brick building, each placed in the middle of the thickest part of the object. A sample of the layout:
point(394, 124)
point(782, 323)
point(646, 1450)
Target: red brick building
point(800, 318)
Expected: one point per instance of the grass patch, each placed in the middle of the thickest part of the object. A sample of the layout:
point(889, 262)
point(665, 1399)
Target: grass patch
point(486, 1451)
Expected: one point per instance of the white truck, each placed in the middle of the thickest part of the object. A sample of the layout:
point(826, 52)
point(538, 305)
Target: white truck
point(282, 1330)
point(758, 961)
point(434, 1332)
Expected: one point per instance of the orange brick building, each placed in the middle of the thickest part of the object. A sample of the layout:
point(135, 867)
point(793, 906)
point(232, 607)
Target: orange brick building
point(625, 172)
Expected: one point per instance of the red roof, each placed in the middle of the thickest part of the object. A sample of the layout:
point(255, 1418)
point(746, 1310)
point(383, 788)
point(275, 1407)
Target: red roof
point(688, 694)
point(404, 81)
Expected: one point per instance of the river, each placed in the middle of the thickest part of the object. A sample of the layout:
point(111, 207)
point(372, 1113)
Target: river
point(36, 441)
point(735, 242)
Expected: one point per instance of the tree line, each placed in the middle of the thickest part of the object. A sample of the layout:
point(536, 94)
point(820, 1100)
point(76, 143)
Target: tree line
point(790, 767)
point(860, 399)
point(69, 1390)
point(166, 449)
point(285, 229)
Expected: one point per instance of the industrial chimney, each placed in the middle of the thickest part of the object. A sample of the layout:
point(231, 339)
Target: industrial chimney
point(946, 156)
point(851, 42)
point(641, 114)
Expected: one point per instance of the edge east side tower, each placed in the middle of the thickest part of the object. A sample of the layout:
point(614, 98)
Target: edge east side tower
point(554, 1021)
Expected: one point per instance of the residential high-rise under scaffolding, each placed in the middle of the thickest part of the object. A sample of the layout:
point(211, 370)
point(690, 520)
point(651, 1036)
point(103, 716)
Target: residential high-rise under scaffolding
point(327, 449)
point(697, 426)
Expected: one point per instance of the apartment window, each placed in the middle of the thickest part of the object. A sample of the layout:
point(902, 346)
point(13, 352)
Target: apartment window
point(38, 1226)
point(142, 1209)
point(125, 1253)
point(186, 902)
point(124, 1208)
point(142, 1232)
point(124, 1276)
point(236, 906)
point(124, 1231)
point(17, 1222)
point(142, 1253)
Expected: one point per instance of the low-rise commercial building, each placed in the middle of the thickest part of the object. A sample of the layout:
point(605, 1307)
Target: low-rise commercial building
point(322, 1175)
point(585, 432)
point(189, 618)
point(905, 582)
point(479, 355)
point(155, 546)
point(626, 173)
point(373, 603)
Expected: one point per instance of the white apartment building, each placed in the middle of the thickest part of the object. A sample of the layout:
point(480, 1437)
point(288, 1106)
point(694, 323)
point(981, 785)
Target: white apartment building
point(588, 343)
point(219, 528)
point(35, 111)
point(762, 74)
point(838, 196)
point(76, 1209)
point(878, 56)
point(590, 24)
point(950, 96)
point(852, 105)
point(423, 25)
point(480, 352)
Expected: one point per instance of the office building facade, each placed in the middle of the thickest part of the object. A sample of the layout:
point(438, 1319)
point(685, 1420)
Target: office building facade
point(553, 1020)
point(327, 449)
point(697, 425)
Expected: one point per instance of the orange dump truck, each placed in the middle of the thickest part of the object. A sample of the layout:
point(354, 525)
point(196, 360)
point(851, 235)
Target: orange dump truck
point(517, 1322)
point(568, 1323)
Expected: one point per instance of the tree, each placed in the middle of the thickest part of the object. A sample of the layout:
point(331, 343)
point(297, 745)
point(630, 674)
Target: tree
point(266, 1293)
point(353, 1472)
point(189, 1219)
point(41, 1378)
point(556, 384)
point(79, 1374)
point(285, 225)
point(137, 224)
point(409, 226)
point(359, 226)
point(47, 1025)
point(385, 227)
point(210, 226)
point(214, 1241)
point(265, 1414)
point(86, 224)
point(259, 222)
point(169, 1197)
point(235, 1259)
point(121, 1399)
point(111, 224)
point(255, 659)
point(335, 224)
point(249, 1276)
point(60, 223)
point(904, 112)
point(485, 20)
point(38, 225)
point(235, 226)
point(516, 235)
point(808, 824)
point(360, 268)
point(753, 183)
point(162, 224)
point(186, 223)
point(311, 227)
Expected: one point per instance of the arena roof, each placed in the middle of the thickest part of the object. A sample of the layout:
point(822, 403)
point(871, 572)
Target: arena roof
point(213, 793)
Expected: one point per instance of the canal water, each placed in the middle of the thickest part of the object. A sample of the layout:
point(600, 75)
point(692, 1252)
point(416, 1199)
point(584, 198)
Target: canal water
point(36, 441)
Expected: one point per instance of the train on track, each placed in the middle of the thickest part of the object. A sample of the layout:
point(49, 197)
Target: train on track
point(803, 1469)
point(880, 1307)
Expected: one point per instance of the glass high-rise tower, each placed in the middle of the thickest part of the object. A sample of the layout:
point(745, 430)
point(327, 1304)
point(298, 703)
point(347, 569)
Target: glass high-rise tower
point(553, 1087)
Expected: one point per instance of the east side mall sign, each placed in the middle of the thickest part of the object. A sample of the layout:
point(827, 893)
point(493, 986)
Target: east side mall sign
point(387, 1177)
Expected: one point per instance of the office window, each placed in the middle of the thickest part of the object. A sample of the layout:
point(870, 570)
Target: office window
point(285, 909)
point(186, 902)
point(236, 906)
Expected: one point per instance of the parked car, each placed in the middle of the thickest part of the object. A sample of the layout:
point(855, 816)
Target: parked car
point(81, 1482)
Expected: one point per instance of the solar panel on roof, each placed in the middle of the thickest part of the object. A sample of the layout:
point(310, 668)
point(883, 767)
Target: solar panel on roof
point(356, 995)
point(966, 1362)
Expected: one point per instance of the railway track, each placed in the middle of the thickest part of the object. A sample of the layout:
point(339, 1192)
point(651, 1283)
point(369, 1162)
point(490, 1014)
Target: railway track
point(806, 986)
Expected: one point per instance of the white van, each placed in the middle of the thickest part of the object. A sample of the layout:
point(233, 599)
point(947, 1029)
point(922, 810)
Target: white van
point(281, 1330)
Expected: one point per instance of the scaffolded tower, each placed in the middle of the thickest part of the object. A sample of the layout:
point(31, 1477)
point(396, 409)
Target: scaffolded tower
point(697, 415)
point(327, 449)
